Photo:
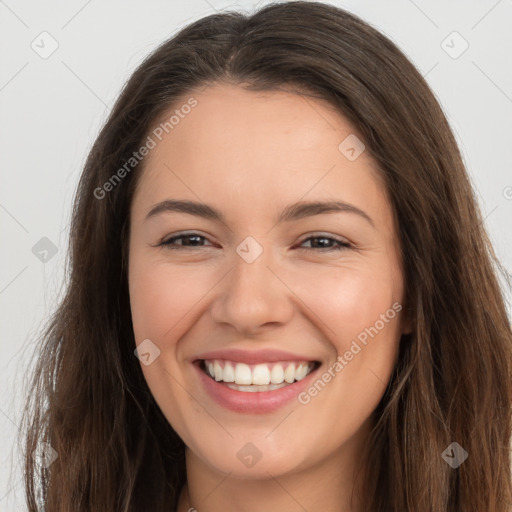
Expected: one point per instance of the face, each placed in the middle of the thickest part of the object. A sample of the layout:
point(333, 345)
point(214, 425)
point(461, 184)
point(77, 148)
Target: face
point(256, 290)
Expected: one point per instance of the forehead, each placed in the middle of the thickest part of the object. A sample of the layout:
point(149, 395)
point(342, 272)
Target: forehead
point(229, 117)
point(272, 146)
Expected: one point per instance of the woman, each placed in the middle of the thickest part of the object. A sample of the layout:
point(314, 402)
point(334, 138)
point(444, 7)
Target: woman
point(281, 293)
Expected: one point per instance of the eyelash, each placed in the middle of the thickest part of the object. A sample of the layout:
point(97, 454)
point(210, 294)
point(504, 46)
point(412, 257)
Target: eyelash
point(342, 245)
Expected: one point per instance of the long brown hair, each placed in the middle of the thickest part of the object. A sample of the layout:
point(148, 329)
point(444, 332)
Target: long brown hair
point(88, 397)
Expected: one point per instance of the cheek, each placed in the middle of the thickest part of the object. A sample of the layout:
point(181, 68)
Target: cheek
point(361, 314)
point(161, 297)
point(359, 309)
point(349, 300)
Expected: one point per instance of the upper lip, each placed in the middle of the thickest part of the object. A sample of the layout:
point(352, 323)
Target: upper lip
point(253, 356)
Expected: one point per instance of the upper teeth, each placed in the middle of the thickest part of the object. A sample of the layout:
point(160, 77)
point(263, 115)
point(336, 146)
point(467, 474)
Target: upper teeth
point(259, 374)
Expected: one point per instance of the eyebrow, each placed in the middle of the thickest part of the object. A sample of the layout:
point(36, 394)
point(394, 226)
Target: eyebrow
point(292, 212)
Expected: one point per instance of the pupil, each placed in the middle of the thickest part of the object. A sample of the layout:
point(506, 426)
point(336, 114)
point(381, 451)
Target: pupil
point(192, 237)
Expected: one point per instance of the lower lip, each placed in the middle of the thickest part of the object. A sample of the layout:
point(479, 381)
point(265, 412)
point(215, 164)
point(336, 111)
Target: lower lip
point(259, 402)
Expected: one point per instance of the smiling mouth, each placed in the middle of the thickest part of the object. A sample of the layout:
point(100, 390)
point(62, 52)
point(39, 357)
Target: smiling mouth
point(257, 377)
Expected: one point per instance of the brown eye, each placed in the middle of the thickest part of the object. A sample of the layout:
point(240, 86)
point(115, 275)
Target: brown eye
point(324, 243)
point(189, 240)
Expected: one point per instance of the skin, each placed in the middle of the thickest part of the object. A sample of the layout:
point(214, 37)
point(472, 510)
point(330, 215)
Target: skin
point(250, 154)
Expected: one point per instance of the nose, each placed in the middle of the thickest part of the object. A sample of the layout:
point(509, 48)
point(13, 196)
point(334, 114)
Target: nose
point(253, 297)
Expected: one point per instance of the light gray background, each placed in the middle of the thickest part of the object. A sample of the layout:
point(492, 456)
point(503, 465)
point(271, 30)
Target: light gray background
point(52, 109)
